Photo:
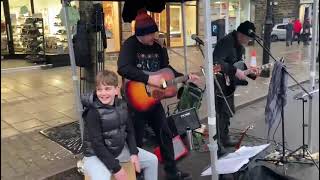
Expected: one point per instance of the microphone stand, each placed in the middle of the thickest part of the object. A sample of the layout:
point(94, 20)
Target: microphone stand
point(283, 159)
point(217, 136)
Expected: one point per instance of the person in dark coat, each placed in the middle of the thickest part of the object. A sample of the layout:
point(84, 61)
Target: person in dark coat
point(229, 50)
point(289, 32)
point(306, 31)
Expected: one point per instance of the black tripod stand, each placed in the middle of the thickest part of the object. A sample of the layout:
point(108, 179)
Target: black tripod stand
point(304, 146)
point(284, 158)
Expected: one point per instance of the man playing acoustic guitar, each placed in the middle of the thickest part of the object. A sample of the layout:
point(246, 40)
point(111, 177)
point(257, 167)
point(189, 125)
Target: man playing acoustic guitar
point(139, 54)
point(228, 51)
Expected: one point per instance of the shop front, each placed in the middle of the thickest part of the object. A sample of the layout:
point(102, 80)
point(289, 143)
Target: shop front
point(232, 11)
point(32, 33)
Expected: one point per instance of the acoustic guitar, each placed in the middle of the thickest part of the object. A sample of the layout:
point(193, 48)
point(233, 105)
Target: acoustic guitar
point(142, 96)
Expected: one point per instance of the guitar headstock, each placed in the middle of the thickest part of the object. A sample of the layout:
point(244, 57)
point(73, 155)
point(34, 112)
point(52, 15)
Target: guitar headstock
point(266, 66)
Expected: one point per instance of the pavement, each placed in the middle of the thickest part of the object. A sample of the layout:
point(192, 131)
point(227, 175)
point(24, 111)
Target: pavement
point(35, 100)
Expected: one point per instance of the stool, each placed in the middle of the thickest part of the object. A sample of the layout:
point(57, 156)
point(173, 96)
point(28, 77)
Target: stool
point(128, 167)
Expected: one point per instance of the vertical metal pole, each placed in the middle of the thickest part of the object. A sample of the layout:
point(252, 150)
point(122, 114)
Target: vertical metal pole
point(267, 34)
point(75, 78)
point(186, 66)
point(227, 18)
point(210, 88)
point(314, 54)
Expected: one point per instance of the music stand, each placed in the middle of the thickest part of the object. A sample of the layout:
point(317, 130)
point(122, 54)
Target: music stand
point(283, 159)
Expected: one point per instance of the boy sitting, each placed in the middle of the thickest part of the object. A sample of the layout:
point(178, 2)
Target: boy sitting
point(109, 135)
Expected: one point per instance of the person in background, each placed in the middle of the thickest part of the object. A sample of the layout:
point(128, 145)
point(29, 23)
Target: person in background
point(296, 30)
point(289, 33)
point(306, 31)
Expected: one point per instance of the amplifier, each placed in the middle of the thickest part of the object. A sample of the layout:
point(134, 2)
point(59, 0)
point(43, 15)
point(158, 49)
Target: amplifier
point(183, 120)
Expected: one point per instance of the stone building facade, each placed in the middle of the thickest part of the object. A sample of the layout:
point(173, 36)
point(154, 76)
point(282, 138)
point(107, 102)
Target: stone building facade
point(283, 9)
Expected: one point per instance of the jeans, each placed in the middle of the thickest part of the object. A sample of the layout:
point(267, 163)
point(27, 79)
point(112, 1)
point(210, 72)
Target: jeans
point(223, 116)
point(96, 170)
point(157, 118)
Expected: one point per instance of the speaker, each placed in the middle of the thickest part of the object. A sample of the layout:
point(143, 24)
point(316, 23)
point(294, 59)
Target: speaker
point(183, 120)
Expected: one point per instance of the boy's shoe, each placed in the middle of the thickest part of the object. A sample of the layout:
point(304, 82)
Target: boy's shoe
point(179, 175)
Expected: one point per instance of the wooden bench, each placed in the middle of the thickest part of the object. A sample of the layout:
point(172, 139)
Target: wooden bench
point(128, 167)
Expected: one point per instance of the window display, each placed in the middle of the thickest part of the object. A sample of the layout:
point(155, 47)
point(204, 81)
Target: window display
point(176, 32)
point(4, 38)
point(112, 28)
point(32, 37)
point(19, 10)
point(55, 32)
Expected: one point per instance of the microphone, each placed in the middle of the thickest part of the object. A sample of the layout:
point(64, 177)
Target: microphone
point(197, 39)
point(252, 33)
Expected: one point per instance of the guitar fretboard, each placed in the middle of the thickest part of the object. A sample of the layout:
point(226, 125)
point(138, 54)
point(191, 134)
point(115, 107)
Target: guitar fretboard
point(180, 79)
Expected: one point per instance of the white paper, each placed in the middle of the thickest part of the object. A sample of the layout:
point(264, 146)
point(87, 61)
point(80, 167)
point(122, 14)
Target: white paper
point(234, 161)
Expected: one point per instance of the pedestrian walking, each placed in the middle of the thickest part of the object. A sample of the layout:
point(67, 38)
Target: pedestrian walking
point(297, 26)
point(289, 32)
point(306, 31)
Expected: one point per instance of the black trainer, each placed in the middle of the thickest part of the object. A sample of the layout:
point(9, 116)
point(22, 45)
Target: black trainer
point(179, 175)
point(229, 141)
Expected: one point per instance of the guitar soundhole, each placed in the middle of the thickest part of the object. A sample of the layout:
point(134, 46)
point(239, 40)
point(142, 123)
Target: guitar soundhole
point(157, 94)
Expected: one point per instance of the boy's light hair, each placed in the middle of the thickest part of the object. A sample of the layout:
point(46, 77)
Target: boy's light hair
point(107, 77)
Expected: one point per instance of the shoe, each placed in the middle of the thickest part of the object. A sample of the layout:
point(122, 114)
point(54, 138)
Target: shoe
point(229, 141)
point(179, 175)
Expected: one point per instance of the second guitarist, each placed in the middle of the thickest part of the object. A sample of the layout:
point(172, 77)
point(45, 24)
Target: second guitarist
point(141, 53)
point(229, 50)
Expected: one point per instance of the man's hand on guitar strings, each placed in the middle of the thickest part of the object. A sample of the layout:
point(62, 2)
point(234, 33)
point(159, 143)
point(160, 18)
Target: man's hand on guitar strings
point(194, 78)
point(240, 74)
point(255, 70)
point(156, 80)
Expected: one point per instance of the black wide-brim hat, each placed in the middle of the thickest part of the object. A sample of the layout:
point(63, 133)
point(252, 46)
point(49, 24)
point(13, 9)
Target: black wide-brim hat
point(247, 28)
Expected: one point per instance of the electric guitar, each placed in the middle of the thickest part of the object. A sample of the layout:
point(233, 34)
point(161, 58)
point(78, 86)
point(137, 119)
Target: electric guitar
point(142, 96)
point(243, 133)
point(228, 84)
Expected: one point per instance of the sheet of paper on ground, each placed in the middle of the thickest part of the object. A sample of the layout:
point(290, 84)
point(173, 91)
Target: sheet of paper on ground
point(234, 161)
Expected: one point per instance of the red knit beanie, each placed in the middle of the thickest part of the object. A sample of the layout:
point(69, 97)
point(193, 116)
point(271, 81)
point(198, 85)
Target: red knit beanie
point(144, 24)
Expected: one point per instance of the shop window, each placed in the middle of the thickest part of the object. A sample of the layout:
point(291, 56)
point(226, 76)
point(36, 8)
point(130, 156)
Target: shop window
point(4, 38)
point(19, 10)
point(55, 32)
point(176, 31)
point(111, 22)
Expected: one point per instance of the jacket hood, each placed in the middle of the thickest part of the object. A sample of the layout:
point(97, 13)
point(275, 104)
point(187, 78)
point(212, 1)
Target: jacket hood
point(87, 99)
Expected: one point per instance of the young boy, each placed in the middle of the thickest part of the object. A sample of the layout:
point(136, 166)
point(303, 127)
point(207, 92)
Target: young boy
point(109, 135)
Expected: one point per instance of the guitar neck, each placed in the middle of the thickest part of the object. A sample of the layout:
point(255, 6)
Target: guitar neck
point(177, 80)
point(180, 79)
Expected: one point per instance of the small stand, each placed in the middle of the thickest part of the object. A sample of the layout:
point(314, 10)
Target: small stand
point(283, 159)
point(304, 146)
